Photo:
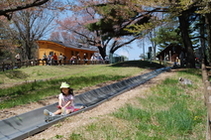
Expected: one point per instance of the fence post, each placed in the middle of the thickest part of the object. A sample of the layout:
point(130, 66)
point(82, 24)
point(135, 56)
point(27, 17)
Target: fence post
point(3, 66)
point(12, 65)
point(207, 98)
point(27, 62)
point(34, 63)
point(209, 113)
point(204, 72)
point(37, 62)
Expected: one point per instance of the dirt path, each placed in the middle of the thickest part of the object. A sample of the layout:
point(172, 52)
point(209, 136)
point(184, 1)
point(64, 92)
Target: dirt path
point(85, 118)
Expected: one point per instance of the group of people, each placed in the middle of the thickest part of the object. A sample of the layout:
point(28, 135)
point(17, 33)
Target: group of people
point(75, 59)
point(61, 59)
point(95, 59)
point(54, 59)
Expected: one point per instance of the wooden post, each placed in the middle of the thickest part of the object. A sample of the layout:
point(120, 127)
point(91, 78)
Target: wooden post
point(34, 63)
point(206, 92)
point(207, 98)
point(3, 66)
point(209, 114)
point(12, 65)
point(27, 62)
point(205, 81)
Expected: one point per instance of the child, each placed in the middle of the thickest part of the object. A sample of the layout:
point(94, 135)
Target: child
point(66, 104)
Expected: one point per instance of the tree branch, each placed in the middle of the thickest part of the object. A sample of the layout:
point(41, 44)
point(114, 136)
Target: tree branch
point(8, 12)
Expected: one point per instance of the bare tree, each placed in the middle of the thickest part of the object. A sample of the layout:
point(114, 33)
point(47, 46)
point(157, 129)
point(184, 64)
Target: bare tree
point(30, 25)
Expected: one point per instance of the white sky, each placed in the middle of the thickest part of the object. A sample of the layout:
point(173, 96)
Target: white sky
point(134, 52)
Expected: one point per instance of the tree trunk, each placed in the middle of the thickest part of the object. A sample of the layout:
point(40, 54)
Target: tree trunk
point(203, 55)
point(27, 50)
point(184, 26)
point(208, 25)
point(102, 51)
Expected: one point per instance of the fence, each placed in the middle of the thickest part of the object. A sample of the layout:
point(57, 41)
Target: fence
point(18, 64)
point(207, 97)
point(34, 62)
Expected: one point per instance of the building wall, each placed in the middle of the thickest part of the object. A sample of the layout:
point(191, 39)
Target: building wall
point(170, 53)
point(52, 47)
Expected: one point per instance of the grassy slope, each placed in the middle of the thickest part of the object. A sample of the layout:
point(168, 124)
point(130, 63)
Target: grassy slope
point(78, 75)
point(50, 72)
point(169, 111)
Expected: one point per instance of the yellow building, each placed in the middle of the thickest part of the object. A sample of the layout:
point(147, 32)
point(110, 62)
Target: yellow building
point(51, 47)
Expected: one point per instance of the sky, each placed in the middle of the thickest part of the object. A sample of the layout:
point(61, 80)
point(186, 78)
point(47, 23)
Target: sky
point(134, 52)
point(131, 53)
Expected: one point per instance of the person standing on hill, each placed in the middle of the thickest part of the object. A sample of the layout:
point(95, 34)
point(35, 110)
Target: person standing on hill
point(61, 57)
point(64, 59)
point(49, 59)
point(85, 59)
point(93, 59)
point(78, 58)
point(55, 59)
point(18, 57)
point(45, 58)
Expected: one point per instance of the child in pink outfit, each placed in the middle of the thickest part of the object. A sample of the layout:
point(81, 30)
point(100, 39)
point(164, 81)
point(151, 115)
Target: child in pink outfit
point(66, 98)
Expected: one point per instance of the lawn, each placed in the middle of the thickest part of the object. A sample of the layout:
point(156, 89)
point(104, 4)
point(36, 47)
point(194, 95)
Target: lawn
point(30, 84)
point(168, 111)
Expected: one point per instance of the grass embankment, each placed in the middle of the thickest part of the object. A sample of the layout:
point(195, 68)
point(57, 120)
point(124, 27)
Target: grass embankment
point(168, 111)
point(78, 75)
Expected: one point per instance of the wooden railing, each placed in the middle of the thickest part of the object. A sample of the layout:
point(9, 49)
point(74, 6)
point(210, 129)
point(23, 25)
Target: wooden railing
point(18, 64)
point(34, 62)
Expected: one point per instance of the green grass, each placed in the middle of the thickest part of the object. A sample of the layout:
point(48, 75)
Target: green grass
point(35, 91)
point(52, 72)
point(170, 111)
point(47, 79)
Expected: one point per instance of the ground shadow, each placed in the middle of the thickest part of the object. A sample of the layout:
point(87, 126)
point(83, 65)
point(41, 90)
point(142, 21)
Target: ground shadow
point(139, 63)
point(16, 74)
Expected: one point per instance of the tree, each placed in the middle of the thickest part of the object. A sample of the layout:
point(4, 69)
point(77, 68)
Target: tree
point(166, 36)
point(184, 26)
point(113, 14)
point(8, 43)
point(100, 25)
point(184, 10)
point(30, 25)
point(10, 6)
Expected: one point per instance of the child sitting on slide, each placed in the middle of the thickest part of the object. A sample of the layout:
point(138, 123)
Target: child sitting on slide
point(66, 98)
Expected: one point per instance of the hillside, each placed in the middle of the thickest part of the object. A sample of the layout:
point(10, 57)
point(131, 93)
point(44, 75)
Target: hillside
point(84, 125)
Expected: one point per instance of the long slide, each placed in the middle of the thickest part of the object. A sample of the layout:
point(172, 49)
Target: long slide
point(27, 124)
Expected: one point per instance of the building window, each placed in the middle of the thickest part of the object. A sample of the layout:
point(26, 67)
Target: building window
point(72, 53)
